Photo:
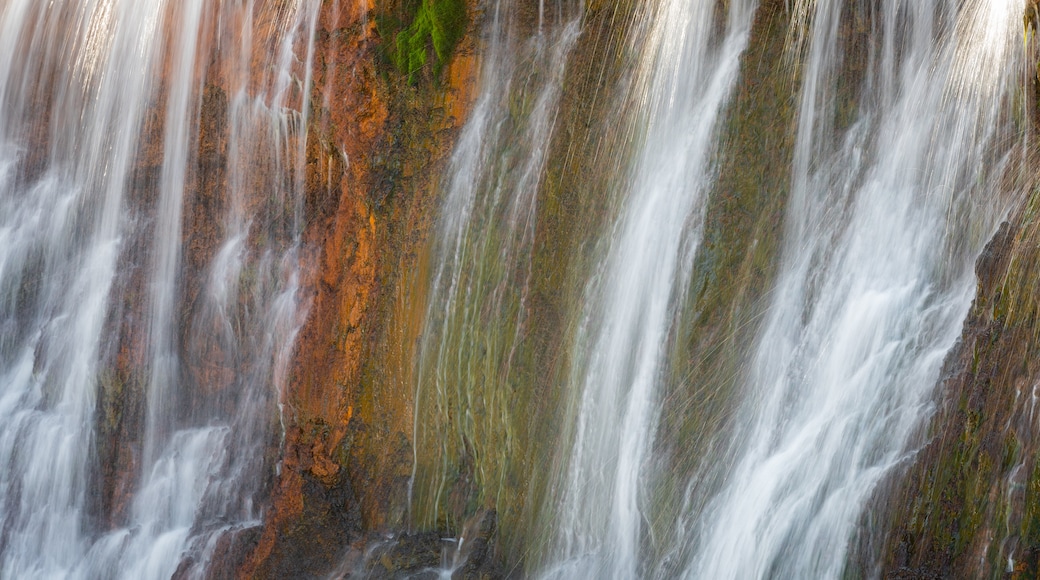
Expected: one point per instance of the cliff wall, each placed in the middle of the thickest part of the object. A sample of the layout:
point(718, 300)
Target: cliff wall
point(377, 142)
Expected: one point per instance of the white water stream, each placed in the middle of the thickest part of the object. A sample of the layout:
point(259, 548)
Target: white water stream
point(78, 80)
point(884, 223)
point(687, 73)
point(883, 228)
point(888, 211)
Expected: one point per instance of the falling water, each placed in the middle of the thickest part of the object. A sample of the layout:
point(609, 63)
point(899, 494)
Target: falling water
point(883, 228)
point(466, 399)
point(152, 164)
point(688, 68)
point(896, 187)
point(62, 226)
point(93, 274)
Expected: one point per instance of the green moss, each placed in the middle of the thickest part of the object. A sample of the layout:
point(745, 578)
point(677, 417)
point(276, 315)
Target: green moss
point(112, 389)
point(422, 26)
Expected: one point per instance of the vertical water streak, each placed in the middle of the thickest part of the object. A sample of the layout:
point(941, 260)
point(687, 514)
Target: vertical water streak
point(62, 218)
point(887, 215)
point(465, 405)
point(79, 80)
point(181, 118)
point(689, 63)
point(208, 459)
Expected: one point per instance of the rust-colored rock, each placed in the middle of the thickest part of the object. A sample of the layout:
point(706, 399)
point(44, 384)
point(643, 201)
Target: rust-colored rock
point(375, 147)
point(360, 227)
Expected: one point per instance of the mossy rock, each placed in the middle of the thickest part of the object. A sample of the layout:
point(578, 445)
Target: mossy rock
point(412, 29)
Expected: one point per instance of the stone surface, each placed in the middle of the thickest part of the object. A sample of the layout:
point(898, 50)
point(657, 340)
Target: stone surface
point(369, 191)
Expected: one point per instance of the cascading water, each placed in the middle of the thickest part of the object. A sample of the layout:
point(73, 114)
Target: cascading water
point(688, 68)
point(153, 172)
point(62, 227)
point(465, 395)
point(876, 278)
point(90, 89)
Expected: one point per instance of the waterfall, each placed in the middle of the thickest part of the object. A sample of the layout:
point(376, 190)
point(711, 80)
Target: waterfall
point(161, 223)
point(687, 70)
point(886, 218)
point(99, 143)
point(62, 227)
point(466, 403)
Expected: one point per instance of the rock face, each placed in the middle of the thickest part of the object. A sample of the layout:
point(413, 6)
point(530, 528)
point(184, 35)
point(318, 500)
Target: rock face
point(378, 138)
point(968, 505)
point(421, 554)
point(375, 144)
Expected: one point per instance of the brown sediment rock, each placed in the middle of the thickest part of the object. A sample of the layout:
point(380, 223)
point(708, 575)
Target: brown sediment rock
point(412, 157)
point(368, 198)
point(373, 155)
point(415, 555)
point(339, 236)
point(208, 363)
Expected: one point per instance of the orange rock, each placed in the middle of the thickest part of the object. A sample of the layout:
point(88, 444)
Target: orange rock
point(350, 247)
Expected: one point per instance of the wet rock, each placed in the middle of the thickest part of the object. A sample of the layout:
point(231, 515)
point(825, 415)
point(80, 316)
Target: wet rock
point(428, 554)
point(965, 505)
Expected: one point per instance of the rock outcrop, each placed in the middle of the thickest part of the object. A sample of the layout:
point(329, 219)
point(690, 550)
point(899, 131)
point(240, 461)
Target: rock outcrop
point(377, 140)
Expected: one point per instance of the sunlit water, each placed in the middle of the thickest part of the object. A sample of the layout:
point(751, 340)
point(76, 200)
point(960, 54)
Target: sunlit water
point(687, 73)
point(888, 211)
point(883, 228)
